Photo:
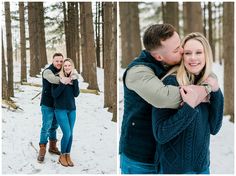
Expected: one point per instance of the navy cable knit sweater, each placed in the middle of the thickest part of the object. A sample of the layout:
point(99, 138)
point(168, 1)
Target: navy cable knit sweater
point(64, 95)
point(183, 135)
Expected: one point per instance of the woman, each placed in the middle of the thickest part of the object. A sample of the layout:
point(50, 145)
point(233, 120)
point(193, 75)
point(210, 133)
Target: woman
point(183, 135)
point(65, 109)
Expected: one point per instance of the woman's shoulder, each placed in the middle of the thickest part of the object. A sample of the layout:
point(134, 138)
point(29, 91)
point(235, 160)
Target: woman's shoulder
point(171, 80)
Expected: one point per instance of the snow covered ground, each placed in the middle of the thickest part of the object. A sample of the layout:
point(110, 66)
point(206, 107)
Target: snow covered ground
point(94, 149)
point(222, 144)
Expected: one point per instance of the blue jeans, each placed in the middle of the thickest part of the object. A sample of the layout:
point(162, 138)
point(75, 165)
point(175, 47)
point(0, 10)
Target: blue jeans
point(66, 120)
point(207, 171)
point(49, 125)
point(129, 166)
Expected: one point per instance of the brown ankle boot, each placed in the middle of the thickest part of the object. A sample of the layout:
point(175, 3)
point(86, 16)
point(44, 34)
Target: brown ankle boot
point(62, 160)
point(68, 159)
point(42, 152)
point(53, 148)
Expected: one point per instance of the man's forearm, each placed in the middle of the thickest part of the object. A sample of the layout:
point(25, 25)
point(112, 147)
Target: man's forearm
point(50, 77)
point(147, 85)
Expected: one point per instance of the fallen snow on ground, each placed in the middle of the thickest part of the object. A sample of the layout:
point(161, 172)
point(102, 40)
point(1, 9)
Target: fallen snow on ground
point(94, 145)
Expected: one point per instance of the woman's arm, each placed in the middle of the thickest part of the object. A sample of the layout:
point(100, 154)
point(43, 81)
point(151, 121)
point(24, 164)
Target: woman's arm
point(168, 123)
point(57, 89)
point(216, 108)
point(76, 87)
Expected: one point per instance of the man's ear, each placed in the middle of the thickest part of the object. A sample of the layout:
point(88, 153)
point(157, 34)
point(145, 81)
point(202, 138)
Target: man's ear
point(157, 56)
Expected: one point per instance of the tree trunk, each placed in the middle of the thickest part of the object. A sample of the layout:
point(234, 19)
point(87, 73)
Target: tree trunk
point(22, 43)
point(4, 75)
point(172, 14)
point(97, 25)
point(192, 17)
point(228, 55)
point(163, 10)
point(135, 27)
point(114, 62)
point(204, 19)
point(66, 26)
point(36, 39)
point(32, 36)
point(210, 31)
point(9, 49)
point(83, 42)
point(72, 32)
point(130, 32)
point(108, 57)
point(220, 34)
point(42, 49)
point(77, 40)
point(89, 46)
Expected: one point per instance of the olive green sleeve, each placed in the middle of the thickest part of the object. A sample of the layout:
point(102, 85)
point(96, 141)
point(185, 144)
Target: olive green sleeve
point(147, 85)
point(51, 77)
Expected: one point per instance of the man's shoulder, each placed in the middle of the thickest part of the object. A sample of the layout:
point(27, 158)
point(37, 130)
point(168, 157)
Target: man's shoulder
point(170, 80)
point(140, 68)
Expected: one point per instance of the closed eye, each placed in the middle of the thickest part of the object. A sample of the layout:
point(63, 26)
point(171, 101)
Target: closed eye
point(187, 53)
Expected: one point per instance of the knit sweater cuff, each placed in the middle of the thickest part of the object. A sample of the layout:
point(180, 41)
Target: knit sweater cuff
point(215, 94)
point(188, 109)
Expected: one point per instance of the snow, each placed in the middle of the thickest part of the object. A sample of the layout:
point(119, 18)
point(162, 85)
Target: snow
point(222, 144)
point(94, 146)
point(94, 149)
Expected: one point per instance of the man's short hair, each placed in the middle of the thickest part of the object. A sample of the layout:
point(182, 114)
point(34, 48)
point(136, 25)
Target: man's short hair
point(154, 34)
point(57, 54)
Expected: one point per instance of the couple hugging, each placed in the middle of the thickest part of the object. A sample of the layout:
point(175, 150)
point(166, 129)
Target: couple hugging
point(60, 87)
point(172, 104)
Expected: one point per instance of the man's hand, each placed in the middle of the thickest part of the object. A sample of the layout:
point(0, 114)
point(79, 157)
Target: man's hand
point(65, 80)
point(189, 96)
point(213, 83)
point(200, 91)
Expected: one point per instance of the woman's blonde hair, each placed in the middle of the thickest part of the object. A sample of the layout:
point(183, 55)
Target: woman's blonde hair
point(62, 71)
point(186, 78)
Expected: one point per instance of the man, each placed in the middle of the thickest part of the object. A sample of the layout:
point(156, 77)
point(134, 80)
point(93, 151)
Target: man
point(49, 122)
point(144, 89)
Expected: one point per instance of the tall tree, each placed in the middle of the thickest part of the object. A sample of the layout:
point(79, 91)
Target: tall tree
point(210, 31)
point(172, 14)
point(32, 39)
point(130, 32)
point(66, 27)
point(89, 56)
point(42, 45)
point(204, 19)
point(228, 55)
point(83, 42)
point(71, 32)
point(22, 43)
point(220, 7)
point(4, 75)
point(98, 29)
point(77, 38)
point(135, 27)
point(192, 17)
point(71, 23)
point(108, 57)
point(114, 63)
point(9, 49)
